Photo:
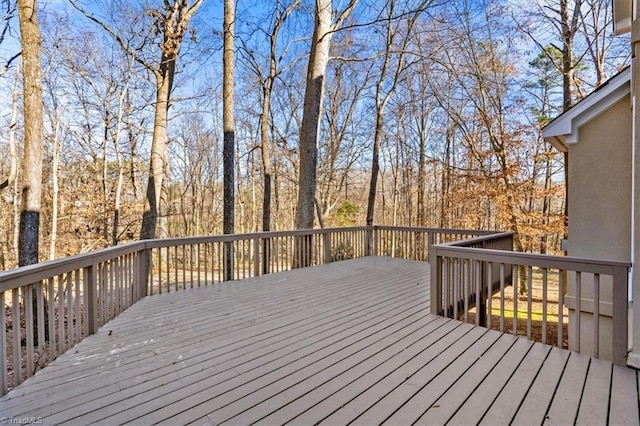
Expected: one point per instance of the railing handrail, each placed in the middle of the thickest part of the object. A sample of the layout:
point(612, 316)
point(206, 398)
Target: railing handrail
point(480, 238)
point(598, 266)
point(438, 230)
point(17, 277)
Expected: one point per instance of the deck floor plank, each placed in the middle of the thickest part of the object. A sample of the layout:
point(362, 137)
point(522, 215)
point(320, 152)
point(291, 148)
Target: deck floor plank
point(594, 405)
point(508, 401)
point(624, 401)
point(351, 408)
point(393, 401)
point(283, 369)
point(566, 401)
point(428, 394)
point(247, 364)
point(348, 342)
point(538, 398)
point(258, 403)
point(207, 321)
point(453, 398)
point(482, 396)
point(380, 363)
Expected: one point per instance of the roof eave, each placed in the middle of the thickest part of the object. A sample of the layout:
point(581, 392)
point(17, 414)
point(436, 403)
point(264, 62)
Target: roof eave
point(563, 130)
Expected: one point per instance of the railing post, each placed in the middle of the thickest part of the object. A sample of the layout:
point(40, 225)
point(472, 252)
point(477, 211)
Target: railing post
point(326, 242)
point(142, 271)
point(484, 295)
point(620, 315)
point(256, 256)
point(266, 255)
point(228, 261)
point(376, 241)
point(430, 243)
point(368, 241)
point(436, 281)
point(92, 302)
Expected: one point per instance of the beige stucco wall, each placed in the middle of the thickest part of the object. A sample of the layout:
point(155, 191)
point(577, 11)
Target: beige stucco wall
point(600, 187)
point(599, 211)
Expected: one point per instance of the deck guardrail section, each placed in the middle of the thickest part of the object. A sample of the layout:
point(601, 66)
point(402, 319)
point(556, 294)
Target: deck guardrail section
point(54, 305)
point(48, 307)
point(461, 271)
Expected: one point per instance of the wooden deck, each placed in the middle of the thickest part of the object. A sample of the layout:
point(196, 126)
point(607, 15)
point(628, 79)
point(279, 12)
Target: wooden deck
point(348, 342)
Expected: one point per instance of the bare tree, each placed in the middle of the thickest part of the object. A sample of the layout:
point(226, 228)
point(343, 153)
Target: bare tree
point(12, 182)
point(228, 118)
point(33, 133)
point(266, 76)
point(267, 81)
point(341, 147)
point(391, 71)
point(316, 75)
point(172, 23)
point(8, 12)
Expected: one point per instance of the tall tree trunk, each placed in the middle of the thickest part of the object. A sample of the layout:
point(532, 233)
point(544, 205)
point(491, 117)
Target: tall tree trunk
point(159, 153)
point(33, 132)
point(28, 239)
point(389, 87)
point(308, 150)
point(12, 180)
point(267, 171)
point(228, 118)
point(308, 146)
point(120, 180)
point(55, 188)
point(318, 59)
point(375, 168)
point(266, 159)
point(422, 172)
point(267, 168)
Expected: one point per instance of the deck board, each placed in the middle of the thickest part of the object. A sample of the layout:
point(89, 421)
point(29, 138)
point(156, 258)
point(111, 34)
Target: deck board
point(539, 395)
point(429, 393)
point(455, 395)
point(506, 405)
point(624, 406)
point(566, 401)
point(348, 342)
point(594, 404)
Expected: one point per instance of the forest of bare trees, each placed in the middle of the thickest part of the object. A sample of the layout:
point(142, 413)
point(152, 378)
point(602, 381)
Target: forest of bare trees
point(419, 112)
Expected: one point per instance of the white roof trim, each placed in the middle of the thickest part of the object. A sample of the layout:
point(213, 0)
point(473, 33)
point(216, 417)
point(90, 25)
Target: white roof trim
point(564, 129)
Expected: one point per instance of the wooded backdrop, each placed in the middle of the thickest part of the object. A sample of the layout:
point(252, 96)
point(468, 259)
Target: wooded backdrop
point(427, 113)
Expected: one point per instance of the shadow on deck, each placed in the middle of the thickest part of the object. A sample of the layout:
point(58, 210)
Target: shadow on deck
point(346, 342)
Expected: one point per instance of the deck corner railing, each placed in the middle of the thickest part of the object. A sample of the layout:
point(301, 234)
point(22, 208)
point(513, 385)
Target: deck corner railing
point(468, 280)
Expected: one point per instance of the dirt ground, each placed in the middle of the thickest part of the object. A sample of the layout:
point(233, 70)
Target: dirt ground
point(536, 321)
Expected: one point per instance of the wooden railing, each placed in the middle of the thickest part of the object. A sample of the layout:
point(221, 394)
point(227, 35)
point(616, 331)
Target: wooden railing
point(47, 308)
point(413, 243)
point(470, 280)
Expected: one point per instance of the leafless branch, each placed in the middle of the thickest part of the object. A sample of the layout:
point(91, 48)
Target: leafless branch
point(123, 44)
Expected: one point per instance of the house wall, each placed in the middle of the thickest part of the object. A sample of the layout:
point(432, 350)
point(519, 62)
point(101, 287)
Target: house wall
point(600, 187)
point(599, 213)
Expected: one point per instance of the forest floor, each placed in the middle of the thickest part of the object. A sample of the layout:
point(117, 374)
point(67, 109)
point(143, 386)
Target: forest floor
point(537, 314)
